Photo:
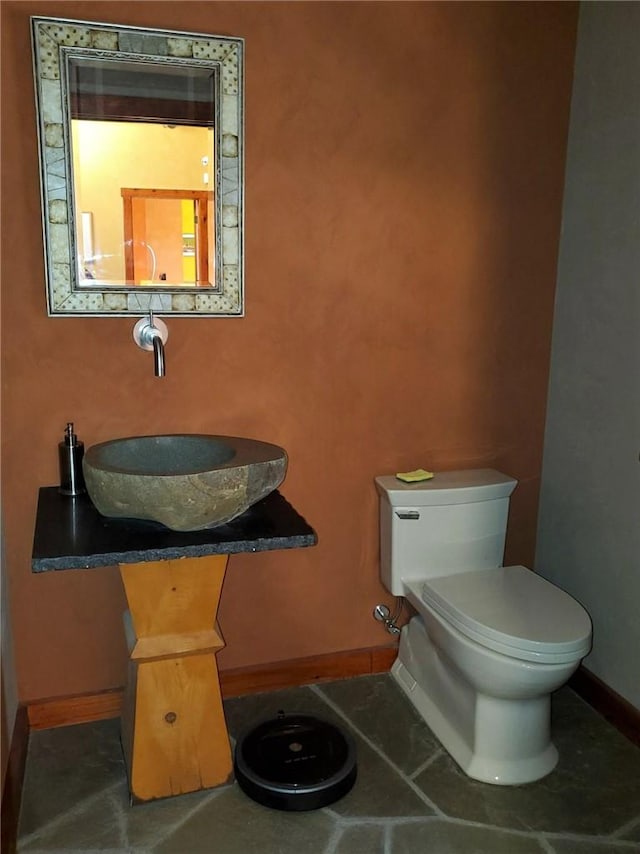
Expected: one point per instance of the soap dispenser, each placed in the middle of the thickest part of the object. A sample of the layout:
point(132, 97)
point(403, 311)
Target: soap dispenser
point(70, 453)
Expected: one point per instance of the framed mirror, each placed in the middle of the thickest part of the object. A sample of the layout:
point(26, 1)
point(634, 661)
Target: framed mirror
point(141, 157)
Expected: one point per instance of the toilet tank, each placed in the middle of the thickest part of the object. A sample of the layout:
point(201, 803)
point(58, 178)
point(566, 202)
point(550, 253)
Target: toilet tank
point(454, 522)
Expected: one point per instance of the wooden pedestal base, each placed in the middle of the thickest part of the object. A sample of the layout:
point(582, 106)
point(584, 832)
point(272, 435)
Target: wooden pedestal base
point(174, 733)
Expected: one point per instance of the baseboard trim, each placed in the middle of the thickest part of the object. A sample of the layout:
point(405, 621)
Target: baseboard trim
point(82, 708)
point(75, 709)
point(307, 671)
point(13, 781)
point(614, 708)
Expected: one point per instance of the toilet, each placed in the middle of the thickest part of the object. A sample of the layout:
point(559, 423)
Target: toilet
point(489, 643)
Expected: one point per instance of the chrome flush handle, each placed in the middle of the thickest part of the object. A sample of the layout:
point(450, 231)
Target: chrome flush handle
point(408, 514)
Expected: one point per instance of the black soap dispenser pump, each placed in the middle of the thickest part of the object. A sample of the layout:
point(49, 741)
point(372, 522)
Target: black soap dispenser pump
point(70, 453)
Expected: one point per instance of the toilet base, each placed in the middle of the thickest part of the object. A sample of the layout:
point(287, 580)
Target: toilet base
point(494, 740)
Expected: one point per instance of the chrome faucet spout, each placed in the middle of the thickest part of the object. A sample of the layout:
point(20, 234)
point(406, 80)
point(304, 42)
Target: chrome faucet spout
point(158, 355)
point(151, 334)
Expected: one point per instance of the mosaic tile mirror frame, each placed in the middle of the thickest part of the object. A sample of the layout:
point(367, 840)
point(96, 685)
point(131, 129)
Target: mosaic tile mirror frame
point(60, 48)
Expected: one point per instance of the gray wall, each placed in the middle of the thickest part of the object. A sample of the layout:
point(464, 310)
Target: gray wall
point(589, 520)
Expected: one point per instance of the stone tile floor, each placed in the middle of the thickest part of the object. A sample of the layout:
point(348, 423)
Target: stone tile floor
point(409, 798)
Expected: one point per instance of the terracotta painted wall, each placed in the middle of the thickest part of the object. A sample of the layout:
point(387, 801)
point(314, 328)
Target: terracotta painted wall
point(404, 176)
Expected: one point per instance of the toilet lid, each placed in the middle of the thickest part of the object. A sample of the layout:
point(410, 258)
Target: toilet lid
point(513, 610)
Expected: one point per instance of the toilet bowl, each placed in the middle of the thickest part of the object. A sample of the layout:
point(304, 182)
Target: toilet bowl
point(489, 643)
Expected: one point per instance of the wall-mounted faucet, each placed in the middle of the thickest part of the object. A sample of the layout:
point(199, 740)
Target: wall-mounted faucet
point(151, 333)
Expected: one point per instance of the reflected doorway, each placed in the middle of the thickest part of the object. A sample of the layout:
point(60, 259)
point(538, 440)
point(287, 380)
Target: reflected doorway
point(167, 239)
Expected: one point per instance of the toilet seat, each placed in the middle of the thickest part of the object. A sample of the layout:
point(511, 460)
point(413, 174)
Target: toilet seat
point(514, 611)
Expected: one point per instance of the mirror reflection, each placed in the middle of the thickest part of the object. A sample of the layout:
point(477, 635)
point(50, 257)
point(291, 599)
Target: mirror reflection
point(143, 160)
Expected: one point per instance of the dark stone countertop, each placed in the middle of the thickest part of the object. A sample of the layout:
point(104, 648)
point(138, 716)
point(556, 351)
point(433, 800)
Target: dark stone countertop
point(71, 534)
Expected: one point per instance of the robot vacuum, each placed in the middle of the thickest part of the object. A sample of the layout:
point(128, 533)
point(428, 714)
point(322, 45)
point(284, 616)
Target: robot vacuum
point(295, 762)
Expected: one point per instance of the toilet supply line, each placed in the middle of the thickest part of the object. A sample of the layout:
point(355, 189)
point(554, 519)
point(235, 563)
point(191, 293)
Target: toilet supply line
point(383, 614)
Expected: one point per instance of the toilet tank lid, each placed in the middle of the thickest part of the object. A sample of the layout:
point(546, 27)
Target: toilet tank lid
point(447, 487)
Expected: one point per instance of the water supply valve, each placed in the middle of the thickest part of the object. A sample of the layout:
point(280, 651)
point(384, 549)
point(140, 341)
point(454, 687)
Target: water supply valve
point(383, 615)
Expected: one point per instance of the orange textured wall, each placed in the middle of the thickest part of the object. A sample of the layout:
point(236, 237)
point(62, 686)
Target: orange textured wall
point(404, 175)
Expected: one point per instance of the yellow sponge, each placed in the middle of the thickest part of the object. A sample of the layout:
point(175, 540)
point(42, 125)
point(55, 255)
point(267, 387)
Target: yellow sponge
point(414, 476)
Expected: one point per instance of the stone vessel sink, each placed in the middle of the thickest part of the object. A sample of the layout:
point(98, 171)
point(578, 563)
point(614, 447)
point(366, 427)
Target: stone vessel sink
point(187, 482)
